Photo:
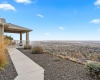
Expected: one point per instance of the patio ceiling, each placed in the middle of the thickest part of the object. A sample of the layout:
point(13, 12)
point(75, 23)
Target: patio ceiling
point(12, 28)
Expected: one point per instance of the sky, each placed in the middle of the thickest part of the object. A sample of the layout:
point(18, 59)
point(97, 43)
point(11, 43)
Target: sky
point(54, 19)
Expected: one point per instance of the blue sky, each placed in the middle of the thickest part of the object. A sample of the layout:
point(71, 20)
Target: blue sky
point(54, 19)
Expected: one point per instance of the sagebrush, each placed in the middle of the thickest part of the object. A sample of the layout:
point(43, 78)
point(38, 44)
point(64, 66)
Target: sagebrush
point(37, 50)
point(93, 69)
point(27, 46)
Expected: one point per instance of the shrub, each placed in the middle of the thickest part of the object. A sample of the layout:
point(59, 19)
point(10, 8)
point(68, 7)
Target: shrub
point(37, 50)
point(8, 37)
point(93, 69)
point(27, 47)
point(13, 43)
point(56, 59)
point(3, 59)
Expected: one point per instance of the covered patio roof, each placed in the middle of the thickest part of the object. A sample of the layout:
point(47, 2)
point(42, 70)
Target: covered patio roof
point(12, 28)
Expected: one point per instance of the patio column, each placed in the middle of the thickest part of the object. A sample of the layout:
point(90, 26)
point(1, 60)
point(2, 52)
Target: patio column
point(27, 38)
point(20, 37)
point(2, 30)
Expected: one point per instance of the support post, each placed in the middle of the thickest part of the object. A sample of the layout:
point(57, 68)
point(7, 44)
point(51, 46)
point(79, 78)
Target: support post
point(20, 37)
point(2, 30)
point(27, 38)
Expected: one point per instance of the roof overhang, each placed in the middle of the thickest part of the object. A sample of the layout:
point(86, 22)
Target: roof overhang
point(12, 28)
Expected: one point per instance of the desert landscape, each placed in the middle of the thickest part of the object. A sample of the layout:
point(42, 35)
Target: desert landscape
point(89, 50)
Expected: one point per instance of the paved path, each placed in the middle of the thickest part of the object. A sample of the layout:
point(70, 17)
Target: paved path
point(25, 67)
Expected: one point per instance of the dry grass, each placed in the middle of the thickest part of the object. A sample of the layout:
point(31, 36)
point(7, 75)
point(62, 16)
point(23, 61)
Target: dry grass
point(3, 44)
point(37, 50)
point(3, 61)
point(27, 47)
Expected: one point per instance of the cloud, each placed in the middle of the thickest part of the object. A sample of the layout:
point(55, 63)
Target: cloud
point(40, 15)
point(23, 1)
point(95, 21)
point(97, 3)
point(6, 6)
point(61, 28)
point(47, 34)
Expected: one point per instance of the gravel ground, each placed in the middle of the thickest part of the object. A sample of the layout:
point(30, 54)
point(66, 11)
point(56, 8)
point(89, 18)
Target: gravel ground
point(9, 72)
point(57, 68)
